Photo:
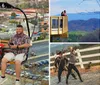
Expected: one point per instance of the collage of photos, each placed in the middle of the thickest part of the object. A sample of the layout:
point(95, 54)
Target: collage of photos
point(49, 42)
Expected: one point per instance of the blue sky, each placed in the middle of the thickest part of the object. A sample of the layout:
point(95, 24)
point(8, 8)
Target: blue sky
point(73, 6)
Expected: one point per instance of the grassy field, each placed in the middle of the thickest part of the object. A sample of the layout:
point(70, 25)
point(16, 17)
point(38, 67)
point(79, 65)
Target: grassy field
point(79, 36)
point(78, 33)
point(75, 36)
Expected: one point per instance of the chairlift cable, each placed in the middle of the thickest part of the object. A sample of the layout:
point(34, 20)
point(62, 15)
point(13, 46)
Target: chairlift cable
point(98, 2)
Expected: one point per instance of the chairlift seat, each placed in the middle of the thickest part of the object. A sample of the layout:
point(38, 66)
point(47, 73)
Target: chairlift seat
point(6, 50)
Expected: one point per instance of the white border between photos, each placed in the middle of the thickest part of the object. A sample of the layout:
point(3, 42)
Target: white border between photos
point(49, 42)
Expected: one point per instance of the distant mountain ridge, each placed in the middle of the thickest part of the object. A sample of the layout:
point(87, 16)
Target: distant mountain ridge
point(91, 37)
point(82, 15)
point(84, 25)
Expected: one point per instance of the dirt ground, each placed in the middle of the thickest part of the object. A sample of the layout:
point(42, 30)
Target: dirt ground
point(90, 77)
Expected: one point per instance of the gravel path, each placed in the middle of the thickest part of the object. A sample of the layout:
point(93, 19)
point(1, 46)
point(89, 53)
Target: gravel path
point(90, 78)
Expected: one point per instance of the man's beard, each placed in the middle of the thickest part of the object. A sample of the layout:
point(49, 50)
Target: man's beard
point(19, 33)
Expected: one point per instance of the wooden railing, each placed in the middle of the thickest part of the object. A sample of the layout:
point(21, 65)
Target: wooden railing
point(59, 25)
point(88, 54)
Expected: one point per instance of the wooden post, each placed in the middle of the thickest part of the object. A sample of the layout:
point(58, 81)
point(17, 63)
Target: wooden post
point(79, 57)
point(50, 25)
point(58, 25)
point(63, 25)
